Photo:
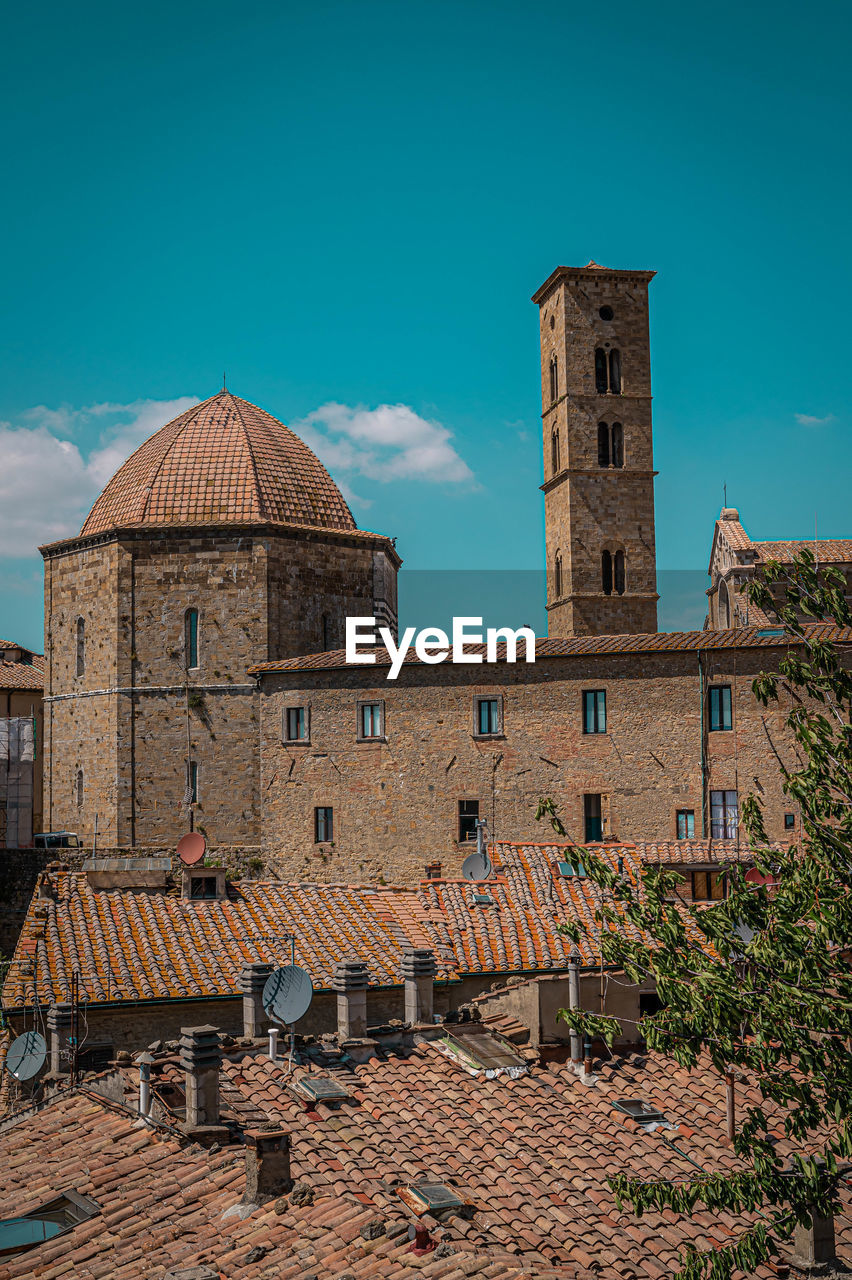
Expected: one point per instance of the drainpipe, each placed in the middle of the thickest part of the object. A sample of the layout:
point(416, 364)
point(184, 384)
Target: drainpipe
point(574, 1003)
point(703, 745)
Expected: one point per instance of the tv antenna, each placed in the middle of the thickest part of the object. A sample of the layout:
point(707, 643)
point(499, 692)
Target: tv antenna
point(191, 848)
point(26, 1056)
point(477, 866)
point(287, 997)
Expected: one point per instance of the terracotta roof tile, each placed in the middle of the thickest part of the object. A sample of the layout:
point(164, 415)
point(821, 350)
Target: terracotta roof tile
point(828, 550)
point(651, 642)
point(224, 461)
point(23, 675)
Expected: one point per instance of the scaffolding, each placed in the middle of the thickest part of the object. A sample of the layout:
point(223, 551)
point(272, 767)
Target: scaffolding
point(17, 765)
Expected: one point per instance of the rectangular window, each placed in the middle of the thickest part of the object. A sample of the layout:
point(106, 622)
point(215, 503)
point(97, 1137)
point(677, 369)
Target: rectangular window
point(296, 724)
point(323, 824)
point(193, 782)
point(720, 707)
point(488, 717)
point(202, 887)
point(593, 817)
point(594, 711)
point(371, 720)
point(191, 638)
point(724, 816)
point(789, 822)
point(708, 886)
point(468, 814)
point(685, 824)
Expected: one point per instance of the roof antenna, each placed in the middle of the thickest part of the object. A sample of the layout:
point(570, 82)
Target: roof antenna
point(725, 494)
point(224, 382)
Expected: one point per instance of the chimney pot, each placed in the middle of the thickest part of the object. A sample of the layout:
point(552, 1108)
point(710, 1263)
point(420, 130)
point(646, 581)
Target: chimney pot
point(267, 1164)
point(252, 980)
point(59, 1022)
point(200, 1056)
point(418, 972)
point(351, 979)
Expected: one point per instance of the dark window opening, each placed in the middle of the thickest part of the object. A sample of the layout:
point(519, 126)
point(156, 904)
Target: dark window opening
point(724, 815)
point(191, 638)
point(557, 576)
point(789, 822)
point(601, 380)
point(593, 817)
point(296, 727)
point(202, 887)
point(603, 444)
point(708, 886)
point(723, 607)
point(649, 1003)
point(606, 313)
point(468, 815)
point(685, 824)
point(488, 716)
point(323, 824)
point(617, 445)
point(606, 573)
point(594, 711)
point(615, 372)
point(78, 787)
point(554, 451)
point(193, 782)
point(370, 720)
point(618, 572)
point(554, 379)
point(81, 647)
point(720, 707)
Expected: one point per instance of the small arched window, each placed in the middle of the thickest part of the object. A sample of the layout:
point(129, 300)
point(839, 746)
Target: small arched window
point(618, 572)
point(617, 445)
point(557, 575)
point(606, 573)
point(554, 451)
point(81, 646)
point(601, 382)
point(554, 379)
point(191, 638)
point(603, 444)
point(78, 788)
point(615, 372)
point(724, 606)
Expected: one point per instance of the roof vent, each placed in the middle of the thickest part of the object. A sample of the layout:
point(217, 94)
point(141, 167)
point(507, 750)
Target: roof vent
point(434, 1198)
point(322, 1089)
point(642, 1112)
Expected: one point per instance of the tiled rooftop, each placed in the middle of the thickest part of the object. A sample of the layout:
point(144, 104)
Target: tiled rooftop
point(827, 550)
point(149, 945)
point(23, 675)
point(224, 461)
point(652, 642)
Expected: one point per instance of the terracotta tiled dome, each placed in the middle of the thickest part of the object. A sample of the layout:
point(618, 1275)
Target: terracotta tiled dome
point(222, 462)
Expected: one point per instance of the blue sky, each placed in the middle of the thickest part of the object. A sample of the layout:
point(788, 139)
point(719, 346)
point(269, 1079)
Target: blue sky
point(351, 204)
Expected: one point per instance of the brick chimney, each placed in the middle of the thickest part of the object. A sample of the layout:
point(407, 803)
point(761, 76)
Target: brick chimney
point(814, 1244)
point(418, 972)
point(252, 980)
point(350, 983)
point(200, 1056)
point(267, 1165)
point(59, 1021)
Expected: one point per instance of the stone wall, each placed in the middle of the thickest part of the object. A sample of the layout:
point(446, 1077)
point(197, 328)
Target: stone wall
point(395, 801)
point(589, 508)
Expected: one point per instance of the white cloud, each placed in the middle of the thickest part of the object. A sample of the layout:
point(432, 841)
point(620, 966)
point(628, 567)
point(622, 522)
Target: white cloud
point(48, 484)
point(808, 420)
point(391, 442)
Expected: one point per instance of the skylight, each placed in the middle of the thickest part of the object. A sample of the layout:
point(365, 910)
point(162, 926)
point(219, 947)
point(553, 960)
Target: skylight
point(322, 1089)
point(642, 1112)
point(571, 869)
point(432, 1197)
point(44, 1223)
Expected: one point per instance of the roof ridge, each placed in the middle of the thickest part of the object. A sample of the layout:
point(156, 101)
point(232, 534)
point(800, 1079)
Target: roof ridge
point(236, 402)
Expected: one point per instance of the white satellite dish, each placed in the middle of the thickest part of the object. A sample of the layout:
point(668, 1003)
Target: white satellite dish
point(476, 866)
point(26, 1056)
point(287, 994)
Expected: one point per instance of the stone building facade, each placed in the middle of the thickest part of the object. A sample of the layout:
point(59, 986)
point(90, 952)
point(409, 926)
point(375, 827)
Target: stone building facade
point(598, 451)
point(641, 738)
point(222, 537)
point(21, 739)
point(735, 559)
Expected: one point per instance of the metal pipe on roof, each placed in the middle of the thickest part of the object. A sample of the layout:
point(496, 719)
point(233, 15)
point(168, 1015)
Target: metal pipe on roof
point(574, 1003)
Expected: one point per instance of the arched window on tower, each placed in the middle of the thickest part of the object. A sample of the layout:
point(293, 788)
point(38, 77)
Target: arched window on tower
point(557, 576)
point(615, 372)
point(617, 445)
point(603, 444)
point(554, 379)
point(601, 381)
point(78, 788)
point(618, 572)
point(81, 646)
point(191, 639)
point(606, 573)
point(554, 451)
point(724, 606)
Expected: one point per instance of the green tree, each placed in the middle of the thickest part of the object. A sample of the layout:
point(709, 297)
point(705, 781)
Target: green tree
point(760, 982)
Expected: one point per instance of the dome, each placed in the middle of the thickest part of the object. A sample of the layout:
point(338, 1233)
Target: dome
point(222, 462)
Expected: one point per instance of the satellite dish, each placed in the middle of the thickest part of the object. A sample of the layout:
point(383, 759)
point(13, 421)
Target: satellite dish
point(26, 1056)
point(476, 866)
point(191, 848)
point(287, 994)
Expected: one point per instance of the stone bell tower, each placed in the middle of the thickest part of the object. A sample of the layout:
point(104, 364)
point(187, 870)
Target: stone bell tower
point(598, 451)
